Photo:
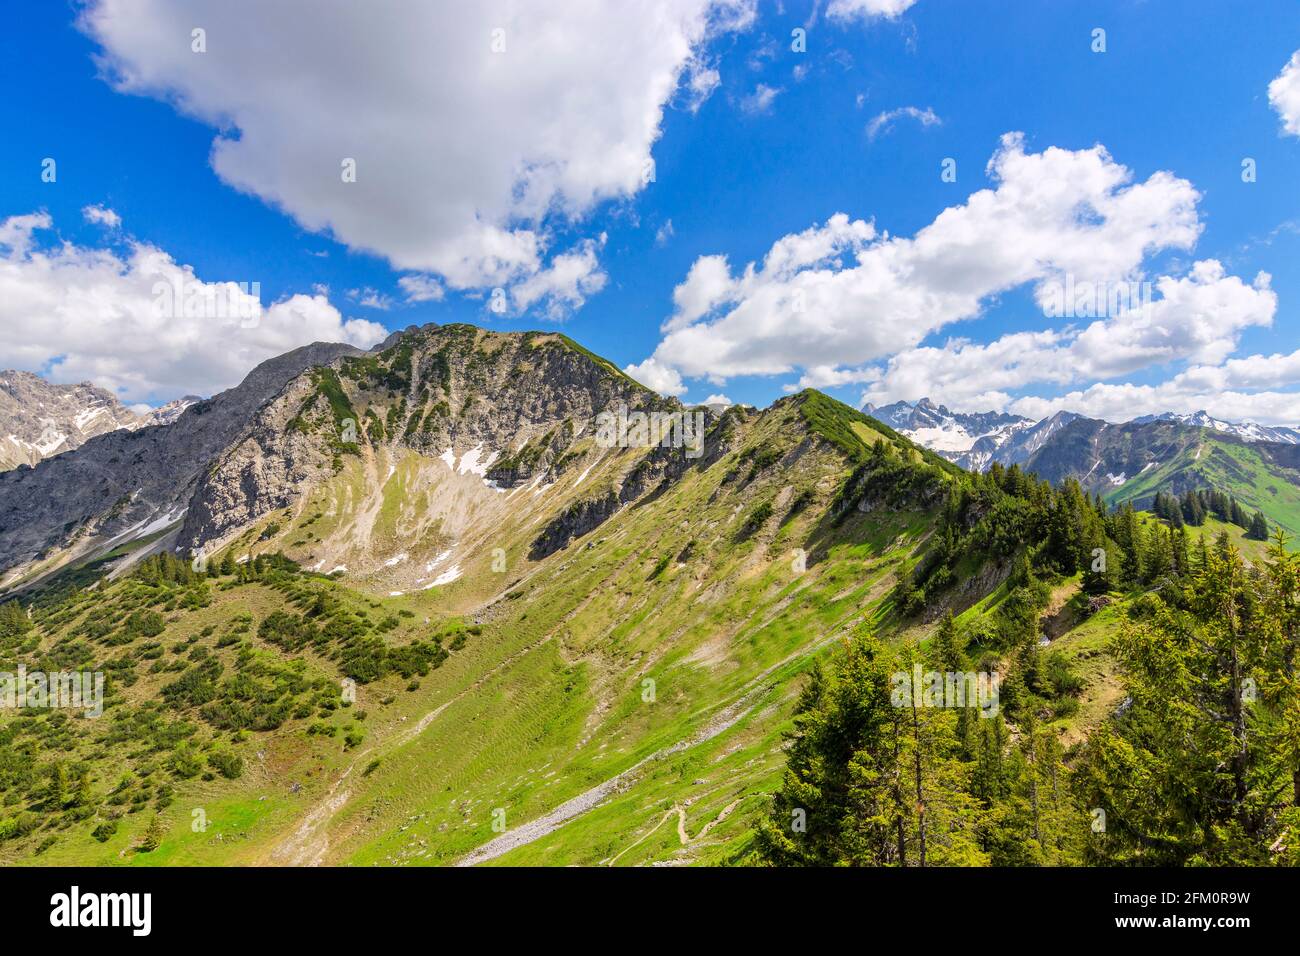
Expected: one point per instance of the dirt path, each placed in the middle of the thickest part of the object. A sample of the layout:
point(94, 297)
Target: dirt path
point(588, 800)
point(1057, 618)
point(550, 822)
point(685, 838)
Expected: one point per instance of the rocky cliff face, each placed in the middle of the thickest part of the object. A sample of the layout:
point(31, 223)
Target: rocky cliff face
point(397, 465)
point(506, 405)
point(39, 420)
point(128, 483)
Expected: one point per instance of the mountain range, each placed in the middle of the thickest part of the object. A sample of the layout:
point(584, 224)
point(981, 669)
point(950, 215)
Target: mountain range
point(414, 606)
point(1122, 462)
point(39, 420)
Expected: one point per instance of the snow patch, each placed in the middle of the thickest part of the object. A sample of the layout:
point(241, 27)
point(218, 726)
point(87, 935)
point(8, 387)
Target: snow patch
point(451, 574)
point(586, 471)
point(396, 559)
point(438, 560)
point(470, 463)
point(944, 438)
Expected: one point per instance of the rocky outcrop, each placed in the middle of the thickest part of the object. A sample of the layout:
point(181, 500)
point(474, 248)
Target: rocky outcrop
point(128, 483)
point(658, 468)
point(262, 471)
point(515, 402)
point(39, 420)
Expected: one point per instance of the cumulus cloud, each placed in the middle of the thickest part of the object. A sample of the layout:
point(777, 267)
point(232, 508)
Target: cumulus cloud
point(447, 112)
point(761, 100)
point(102, 216)
point(420, 288)
point(1122, 402)
point(661, 378)
point(1284, 94)
point(371, 298)
point(882, 122)
point(841, 295)
point(140, 323)
point(867, 9)
point(701, 81)
point(1195, 318)
point(843, 303)
point(565, 284)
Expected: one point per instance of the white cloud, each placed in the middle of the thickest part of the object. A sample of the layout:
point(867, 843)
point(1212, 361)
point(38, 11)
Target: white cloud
point(701, 81)
point(664, 233)
point(102, 216)
point(661, 378)
point(141, 324)
point(1284, 94)
point(761, 100)
point(464, 156)
point(371, 298)
point(882, 122)
point(1240, 389)
point(708, 284)
point(841, 295)
point(717, 400)
point(1122, 402)
point(867, 9)
point(16, 231)
point(420, 288)
point(565, 284)
point(827, 376)
point(1197, 317)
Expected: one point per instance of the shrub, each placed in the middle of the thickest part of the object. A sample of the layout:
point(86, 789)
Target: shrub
point(104, 831)
point(229, 765)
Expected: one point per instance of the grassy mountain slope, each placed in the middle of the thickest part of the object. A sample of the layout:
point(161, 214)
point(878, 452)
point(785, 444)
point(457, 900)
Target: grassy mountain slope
point(1258, 479)
point(616, 697)
point(695, 589)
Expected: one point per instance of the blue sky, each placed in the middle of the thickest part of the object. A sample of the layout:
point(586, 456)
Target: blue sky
point(1182, 87)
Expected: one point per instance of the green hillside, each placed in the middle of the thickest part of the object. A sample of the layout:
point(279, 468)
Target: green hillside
point(1237, 468)
point(594, 657)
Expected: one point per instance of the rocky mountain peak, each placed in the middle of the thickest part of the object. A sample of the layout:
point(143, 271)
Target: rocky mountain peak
point(39, 419)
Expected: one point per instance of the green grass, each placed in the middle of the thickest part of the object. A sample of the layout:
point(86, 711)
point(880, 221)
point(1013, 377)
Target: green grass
point(612, 654)
point(1235, 468)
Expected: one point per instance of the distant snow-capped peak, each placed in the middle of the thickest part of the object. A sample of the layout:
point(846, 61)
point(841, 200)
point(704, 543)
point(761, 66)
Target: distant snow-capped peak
point(39, 419)
point(949, 433)
point(977, 440)
point(1247, 431)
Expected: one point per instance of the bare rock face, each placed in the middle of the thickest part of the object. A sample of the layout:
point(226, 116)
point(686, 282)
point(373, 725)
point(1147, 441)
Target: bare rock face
point(129, 483)
point(509, 403)
point(39, 420)
point(501, 409)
